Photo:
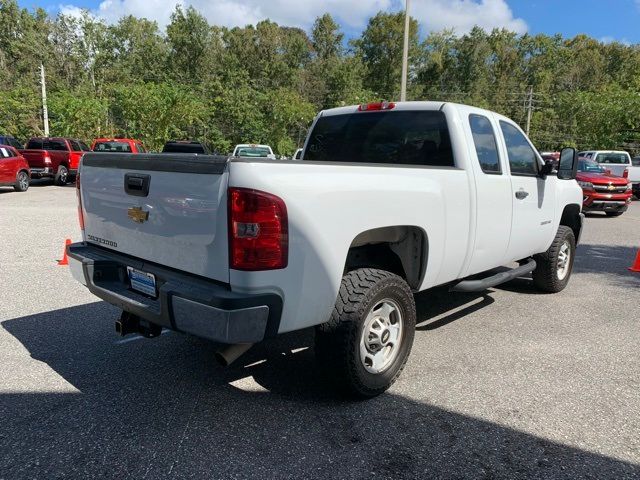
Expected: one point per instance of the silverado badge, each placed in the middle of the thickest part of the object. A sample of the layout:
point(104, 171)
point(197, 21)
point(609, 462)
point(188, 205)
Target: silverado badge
point(137, 214)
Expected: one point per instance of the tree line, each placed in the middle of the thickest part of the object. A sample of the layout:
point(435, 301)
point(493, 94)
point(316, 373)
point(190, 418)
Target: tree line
point(264, 83)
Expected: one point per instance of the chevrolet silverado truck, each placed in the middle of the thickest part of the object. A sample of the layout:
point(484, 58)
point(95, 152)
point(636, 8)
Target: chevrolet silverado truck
point(54, 157)
point(602, 192)
point(390, 199)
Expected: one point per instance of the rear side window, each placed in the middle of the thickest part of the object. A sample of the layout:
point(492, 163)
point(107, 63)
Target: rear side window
point(75, 146)
point(522, 157)
point(635, 162)
point(6, 152)
point(484, 139)
point(400, 137)
point(140, 148)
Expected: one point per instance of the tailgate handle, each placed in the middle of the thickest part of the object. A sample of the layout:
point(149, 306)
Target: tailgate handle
point(137, 184)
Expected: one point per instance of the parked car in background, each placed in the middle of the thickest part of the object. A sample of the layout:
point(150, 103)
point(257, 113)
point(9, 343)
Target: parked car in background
point(10, 141)
point(185, 146)
point(252, 150)
point(14, 169)
point(298, 154)
point(390, 199)
point(54, 157)
point(115, 145)
point(602, 191)
point(633, 175)
point(613, 160)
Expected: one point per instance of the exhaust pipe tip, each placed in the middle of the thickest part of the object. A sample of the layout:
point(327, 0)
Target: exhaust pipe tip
point(229, 354)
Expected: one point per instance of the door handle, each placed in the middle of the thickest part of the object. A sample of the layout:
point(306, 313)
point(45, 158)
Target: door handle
point(521, 194)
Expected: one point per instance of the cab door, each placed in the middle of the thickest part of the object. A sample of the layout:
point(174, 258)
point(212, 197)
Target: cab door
point(533, 197)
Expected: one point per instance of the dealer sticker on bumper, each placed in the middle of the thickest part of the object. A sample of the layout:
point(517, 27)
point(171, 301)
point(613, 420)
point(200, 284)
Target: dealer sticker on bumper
point(142, 282)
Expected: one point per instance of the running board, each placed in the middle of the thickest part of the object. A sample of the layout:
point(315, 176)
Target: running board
point(492, 281)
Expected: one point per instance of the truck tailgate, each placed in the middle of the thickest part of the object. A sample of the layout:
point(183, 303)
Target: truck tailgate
point(168, 209)
point(35, 158)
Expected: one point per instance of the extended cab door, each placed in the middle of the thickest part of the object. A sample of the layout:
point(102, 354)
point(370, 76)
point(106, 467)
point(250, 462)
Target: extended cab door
point(533, 197)
point(493, 206)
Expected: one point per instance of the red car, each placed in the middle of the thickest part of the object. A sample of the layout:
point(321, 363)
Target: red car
point(602, 192)
point(54, 157)
point(14, 169)
point(124, 145)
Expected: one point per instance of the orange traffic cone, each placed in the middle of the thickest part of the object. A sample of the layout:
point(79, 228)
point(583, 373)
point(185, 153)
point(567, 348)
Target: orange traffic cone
point(65, 260)
point(636, 265)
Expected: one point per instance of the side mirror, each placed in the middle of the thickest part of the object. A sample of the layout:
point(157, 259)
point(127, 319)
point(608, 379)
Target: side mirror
point(568, 165)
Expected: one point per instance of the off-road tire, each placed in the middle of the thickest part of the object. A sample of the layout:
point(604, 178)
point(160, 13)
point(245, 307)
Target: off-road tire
point(545, 276)
point(337, 341)
point(22, 182)
point(62, 176)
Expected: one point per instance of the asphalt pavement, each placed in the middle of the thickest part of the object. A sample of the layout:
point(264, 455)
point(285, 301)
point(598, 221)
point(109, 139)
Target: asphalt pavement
point(508, 383)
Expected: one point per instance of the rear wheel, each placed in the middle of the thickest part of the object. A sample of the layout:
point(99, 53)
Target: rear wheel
point(613, 214)
point(553, 267)
point(366, 343)
point(62, 176)
point(22, 181)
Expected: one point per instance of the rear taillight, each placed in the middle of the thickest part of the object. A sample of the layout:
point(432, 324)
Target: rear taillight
point(80, 213)
point(625, 174)
point(47, 160)
point(367, 107)
point(258, 230)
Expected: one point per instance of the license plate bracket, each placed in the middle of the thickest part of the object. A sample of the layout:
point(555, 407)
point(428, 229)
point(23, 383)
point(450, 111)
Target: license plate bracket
point(142, 282)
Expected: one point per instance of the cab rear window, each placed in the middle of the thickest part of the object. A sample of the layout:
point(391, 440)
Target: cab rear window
point(391, 137)
point(612, 158)
point(112, 147)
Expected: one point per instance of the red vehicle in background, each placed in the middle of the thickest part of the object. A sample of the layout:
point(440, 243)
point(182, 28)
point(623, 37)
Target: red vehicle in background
point(115, 145)
point(54, 157)
point(602, 192)
point(14, 169)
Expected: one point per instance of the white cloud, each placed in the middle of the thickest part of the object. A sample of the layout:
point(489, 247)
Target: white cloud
point(460, 15)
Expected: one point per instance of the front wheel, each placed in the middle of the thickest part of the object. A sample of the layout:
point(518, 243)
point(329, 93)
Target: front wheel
point(553, 267)
point(62, 176)
point(22, 182)
point(365, 344)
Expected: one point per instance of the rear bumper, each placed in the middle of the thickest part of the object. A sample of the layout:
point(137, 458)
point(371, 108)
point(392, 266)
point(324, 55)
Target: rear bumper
point(185, 302)
point(41, 172)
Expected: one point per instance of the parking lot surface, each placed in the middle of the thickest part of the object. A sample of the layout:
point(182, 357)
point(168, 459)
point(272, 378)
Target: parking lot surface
point(503, 384)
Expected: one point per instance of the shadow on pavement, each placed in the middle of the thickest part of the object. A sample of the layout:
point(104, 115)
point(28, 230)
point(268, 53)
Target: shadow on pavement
point(160, 408)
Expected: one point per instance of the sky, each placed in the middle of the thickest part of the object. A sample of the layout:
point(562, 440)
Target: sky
point(606, 20)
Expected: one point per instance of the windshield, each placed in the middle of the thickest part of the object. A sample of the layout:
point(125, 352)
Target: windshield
point(589, 166)
point(394, 137)
point(253, 152)
point(112, 147)
point(613, 158)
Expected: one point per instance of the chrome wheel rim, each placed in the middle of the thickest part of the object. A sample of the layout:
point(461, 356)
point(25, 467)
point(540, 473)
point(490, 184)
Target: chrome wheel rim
point(381, 336)
point(63, 175)
point(23, 180)
point(564, 260)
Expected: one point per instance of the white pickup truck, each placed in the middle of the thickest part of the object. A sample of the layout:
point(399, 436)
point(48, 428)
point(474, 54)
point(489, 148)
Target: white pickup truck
point(390, 199)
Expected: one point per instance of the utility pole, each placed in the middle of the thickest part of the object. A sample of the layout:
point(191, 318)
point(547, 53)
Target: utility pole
point(529, 109)
point(405, 54)
point(45, 113)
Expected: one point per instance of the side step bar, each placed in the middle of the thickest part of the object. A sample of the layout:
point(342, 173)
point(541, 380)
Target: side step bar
point(484, 283)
